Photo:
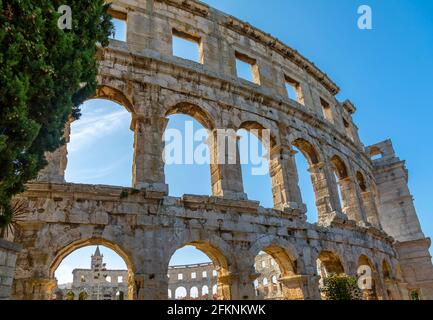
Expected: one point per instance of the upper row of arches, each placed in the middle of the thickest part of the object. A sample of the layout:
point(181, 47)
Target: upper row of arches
point(277, 167)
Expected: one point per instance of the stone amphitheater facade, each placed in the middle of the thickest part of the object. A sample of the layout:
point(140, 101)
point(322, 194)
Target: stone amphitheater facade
point(375, 225)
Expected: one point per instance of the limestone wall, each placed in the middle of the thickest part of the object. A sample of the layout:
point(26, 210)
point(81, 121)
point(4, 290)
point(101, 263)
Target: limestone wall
point(148, 226)
point(8, 255)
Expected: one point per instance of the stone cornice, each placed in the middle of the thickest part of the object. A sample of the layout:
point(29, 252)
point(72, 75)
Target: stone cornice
point(291, 54)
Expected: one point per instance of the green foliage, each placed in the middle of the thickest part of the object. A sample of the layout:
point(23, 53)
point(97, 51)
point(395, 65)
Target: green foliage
point(124, 194)
point(70, 295)
point(83, 295)
point(341, 287)
point(45, 75)
point(414, 295)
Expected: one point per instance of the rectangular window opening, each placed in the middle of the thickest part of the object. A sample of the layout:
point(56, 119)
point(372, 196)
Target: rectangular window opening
point(293, 88)
point(119, 24)
point(327, 111)
point(246, 68)
point(187, 46)
point(348, 128)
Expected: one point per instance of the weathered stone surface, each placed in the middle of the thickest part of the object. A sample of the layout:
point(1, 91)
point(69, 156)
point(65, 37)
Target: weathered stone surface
point(8, 255)
point(147, 226)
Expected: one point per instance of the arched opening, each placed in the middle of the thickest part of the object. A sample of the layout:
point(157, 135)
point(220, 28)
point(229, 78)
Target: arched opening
point(85, 267)
point(193, 266)
point(205, 292)
point(375, 153)
point(100, 148)
point(388, 280)
point(83, 295)
point(306, 157)
point(368, 273)
point(194, 293)
point(276, 276)
point(186, 153)
point(340, 173)
point(328, 263)
point(361, 181)
point(386, 269)
point(255, 144)
point(180, 293)
point(120, 295)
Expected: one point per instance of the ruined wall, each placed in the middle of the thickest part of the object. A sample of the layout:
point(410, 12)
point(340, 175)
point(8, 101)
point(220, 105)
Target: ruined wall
point(147, 227)
point(8, 256)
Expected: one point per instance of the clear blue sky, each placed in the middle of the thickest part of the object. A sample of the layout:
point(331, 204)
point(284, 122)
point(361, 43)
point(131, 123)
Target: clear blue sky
point(386, 72)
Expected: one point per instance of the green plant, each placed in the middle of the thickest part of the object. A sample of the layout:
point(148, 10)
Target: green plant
point(83, 295)
point(70, 295)
point(46, 73)
point(124, 194)
point(341, 287)
point(11, 220)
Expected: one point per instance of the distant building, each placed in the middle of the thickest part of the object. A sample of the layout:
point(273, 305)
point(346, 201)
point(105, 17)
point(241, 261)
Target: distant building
point(96, 283)
point(199, 281)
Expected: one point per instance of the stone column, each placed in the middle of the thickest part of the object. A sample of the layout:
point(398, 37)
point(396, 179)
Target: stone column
point(352, 205)
point(369, 201)
point(240, 285)
point(54, 172)
point(325, 189)
point(150, 286)
point(148, 164)
point(284, 175)
point(392, 289)
point(301, 287)
point(226, 173)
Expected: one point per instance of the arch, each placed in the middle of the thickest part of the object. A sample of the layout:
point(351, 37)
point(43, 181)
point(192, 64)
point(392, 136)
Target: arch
point(255, 149)
point(361, 181)
point(308, 150)
point(204, 291)
point(68, 249)
point(75, 245)
point(194, 111)
point(330, 263)
point(70, 295)
point(288, 267)
point(83, 295)
point(219, 261)
point(180, 293)
point(112, 94)
point(375, 152)
point(282, 251)
point(386, 270)
point(257, 129)
point(193, 293)
point(120, 295)
point(370, 292)
point(214, 290)
point(339, 167)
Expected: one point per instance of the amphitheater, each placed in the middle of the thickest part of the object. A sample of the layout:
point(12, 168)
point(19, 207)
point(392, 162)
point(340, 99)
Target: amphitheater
point(374, 225)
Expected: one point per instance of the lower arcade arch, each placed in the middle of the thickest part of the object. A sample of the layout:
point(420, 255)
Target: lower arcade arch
point(276, 275)
point(98, 281)
point(369, 282)
point(198, 271)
